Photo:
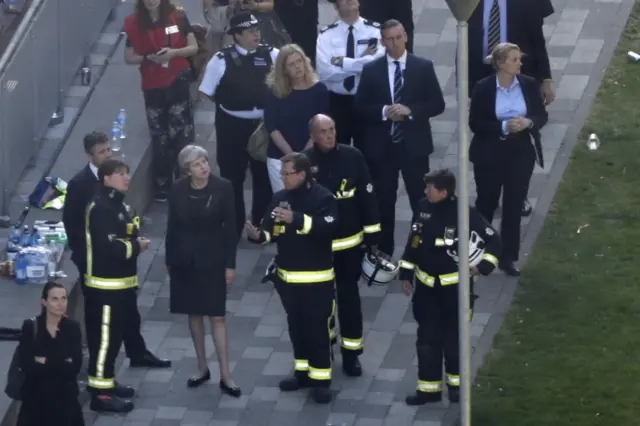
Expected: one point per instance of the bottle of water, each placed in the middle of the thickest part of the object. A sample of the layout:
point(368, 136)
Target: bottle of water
point(25, 238)
point(122, 121)
point(116, 142)
point(35, 237)
point(21, 268)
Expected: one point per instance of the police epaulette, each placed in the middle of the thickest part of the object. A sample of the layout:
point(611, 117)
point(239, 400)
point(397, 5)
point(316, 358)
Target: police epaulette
point(266, 46)
point(220, 54)
point(328, 27)
point(371, 23)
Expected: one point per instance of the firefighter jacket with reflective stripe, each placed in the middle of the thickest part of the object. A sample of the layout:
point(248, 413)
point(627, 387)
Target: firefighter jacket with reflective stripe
point(431, 251)
point(112, 247)
point(344, 172)
point(304, 245)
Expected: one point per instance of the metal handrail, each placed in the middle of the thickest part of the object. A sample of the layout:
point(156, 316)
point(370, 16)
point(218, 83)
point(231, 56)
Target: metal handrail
point(23, 29)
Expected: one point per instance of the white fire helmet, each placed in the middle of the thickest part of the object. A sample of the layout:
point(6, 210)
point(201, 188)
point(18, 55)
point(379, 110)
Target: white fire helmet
point(377, 270)
point(476, 250)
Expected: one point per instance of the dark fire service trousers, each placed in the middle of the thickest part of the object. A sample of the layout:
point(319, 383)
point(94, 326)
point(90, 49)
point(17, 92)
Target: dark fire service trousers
point(435, 309)
point(309, 309)
point(105, 319)
point(348, 267)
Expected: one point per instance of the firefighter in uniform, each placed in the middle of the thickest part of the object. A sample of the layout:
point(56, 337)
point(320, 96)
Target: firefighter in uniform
point(430, 260)
point(343, 48)
point(301, 220)
point(343, 170)
point(235, 79)
point(113, 246)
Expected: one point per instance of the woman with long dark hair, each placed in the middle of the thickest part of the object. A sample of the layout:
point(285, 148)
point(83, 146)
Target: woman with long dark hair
point(160, 40)
point(51, 357)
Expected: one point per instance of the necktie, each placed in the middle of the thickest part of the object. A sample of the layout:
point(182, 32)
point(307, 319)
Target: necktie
point(350, 82)
point(396, 130)
point(493, 32)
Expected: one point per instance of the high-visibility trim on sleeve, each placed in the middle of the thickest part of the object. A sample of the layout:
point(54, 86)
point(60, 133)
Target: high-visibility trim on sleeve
point(406, 265)
point(490, 258)
point(128, 246)
point(267, 237)
point(307, 224)
point(370, 229)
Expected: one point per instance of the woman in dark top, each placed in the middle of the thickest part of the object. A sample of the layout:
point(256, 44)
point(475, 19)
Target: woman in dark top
point(159, 41)
point(51, 358)
point(295, 96)
point(200, 254)
point(505, 115)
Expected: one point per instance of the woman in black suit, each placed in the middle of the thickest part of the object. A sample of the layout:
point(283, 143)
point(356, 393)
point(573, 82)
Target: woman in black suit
point(200, 254)
point(506, 113)
point(50, 356)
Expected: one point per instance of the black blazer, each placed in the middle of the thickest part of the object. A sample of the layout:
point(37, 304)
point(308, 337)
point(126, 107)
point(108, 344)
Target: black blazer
point(422, 94)
point(487, 129)
point(80, 191)
point(524, 28)
point(205, 239)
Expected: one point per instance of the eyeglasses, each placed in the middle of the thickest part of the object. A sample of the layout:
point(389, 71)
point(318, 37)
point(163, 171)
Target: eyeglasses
point(287, 174)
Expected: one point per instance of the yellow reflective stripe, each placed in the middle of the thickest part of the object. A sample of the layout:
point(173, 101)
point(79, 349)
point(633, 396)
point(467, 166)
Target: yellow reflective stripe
point(87, 236)
point(340, 195)
point(440, 242)
point(319, 373)
point(370, 229)
point(306, 225)
point(306, 276)
point(111, 283)
point(453, 379)
point(267, 237)
point(490, 258)
point(425, 278)
point(449, 279)
point(445, 279)
point(352, 344)
point(128, 246)
point(104, 342)
point(406, 265)
point(301, 365)
point(424, 386)
point(136, 221)
point(348, 242)
point(97, 383)
point(331, 324)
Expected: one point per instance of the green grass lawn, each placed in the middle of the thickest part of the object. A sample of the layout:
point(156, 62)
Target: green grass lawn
point(569, 351)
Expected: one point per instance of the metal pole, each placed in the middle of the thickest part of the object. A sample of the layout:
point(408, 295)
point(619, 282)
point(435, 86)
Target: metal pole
point(4, 151)
point(463, 224)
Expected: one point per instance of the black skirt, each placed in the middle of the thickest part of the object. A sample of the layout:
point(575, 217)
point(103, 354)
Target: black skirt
point(197, 291)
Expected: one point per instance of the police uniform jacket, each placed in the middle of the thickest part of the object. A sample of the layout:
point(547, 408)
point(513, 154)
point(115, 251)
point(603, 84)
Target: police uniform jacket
point(304, 246)
point(112, 245)
point(344, 172)
point(429, 256)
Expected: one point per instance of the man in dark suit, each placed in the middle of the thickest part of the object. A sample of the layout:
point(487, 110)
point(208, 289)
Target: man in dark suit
point(397, 95)
point(519, 22)
point(80, 191)
point(383, 10)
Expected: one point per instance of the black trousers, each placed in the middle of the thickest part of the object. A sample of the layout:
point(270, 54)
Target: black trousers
point(348, 267)
point(343, 114)
point(309, 309)
point(507, 170)
point(170, 119)
point(384, 173)
point(232, 135)
point(435, 309)
point(303, 33)
point(105, 319)
point(134, 344)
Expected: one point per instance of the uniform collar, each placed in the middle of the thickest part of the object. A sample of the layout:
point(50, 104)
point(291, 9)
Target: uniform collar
point(112, 194)
point(358, 25)
point(331, 152)
point(242, 51)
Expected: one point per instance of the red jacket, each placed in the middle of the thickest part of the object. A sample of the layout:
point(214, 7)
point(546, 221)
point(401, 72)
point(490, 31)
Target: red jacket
point(155, 76)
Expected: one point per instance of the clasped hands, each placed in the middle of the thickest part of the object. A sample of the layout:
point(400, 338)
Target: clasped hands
point(162, 56)
point(396, 112)
point(518, 124)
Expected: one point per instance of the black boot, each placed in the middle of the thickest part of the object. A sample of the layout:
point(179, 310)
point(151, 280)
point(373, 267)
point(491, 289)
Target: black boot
point(351, 365)
point(107, 402)
point(122, 391)
point(421, 398)
point(149, 360)
point(321, 395)
point(299, 380)
point(454, 394)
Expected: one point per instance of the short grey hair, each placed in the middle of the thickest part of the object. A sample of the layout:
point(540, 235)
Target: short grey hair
point(500, 53)
point(189, 154)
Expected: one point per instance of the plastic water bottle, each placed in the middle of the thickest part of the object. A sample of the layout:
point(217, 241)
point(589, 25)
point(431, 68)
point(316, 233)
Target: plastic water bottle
point(21, 268)
point(35, 237)
point(122, 121)
point(25, 238)
point(16, 235)
point(116, 142)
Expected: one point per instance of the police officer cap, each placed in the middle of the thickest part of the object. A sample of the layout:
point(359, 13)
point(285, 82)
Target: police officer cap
point(242, 21)
point(442, 179)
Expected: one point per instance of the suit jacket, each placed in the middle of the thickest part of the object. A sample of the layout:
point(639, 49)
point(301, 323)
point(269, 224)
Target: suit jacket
point(206, 238)
point(80, 191)
point(524, 28)
point(487, 129)
point(421, 94)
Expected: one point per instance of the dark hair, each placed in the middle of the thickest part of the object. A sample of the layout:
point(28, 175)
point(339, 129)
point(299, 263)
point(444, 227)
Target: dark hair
point(92, 139)
point(144, 18)
point(300, 163)
point(443, 180)
point(111, 166)
point(391, 23)
point(46, 289)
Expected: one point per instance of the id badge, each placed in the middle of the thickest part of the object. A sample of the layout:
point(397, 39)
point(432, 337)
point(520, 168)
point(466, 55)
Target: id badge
point(165, 65)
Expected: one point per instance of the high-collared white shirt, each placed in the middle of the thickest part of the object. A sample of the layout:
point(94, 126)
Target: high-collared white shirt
point(332, 43)
point(213, 74)
point(391, 71)
point(93, 169)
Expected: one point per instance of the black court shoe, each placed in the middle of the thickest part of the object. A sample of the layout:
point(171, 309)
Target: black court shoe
point(233, 391)
point(194, 382)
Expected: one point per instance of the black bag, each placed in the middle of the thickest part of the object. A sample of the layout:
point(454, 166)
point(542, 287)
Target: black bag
point(15, 376)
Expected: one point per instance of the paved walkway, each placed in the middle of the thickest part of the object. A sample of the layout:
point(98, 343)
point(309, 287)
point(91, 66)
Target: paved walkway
point(260, 352)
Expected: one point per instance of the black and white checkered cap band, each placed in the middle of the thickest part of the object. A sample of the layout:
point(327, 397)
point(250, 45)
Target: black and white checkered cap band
point(252, 22)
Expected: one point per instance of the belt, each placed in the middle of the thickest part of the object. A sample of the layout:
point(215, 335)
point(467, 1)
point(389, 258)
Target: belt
point(306, 277)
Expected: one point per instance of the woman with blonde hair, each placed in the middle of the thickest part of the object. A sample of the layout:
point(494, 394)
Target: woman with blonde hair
point(295, 96)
